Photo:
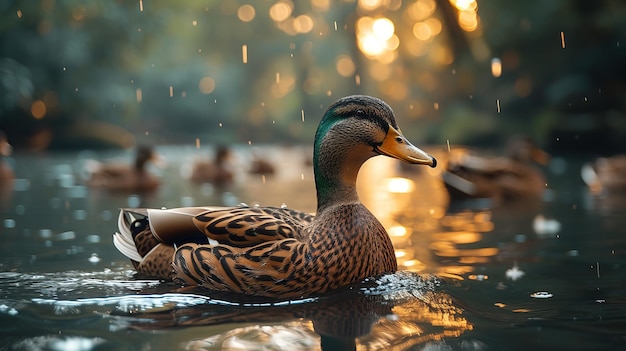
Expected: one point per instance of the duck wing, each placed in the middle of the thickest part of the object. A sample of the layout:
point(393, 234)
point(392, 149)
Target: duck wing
point(149, 237)
point(267, 269)
point(249, 226)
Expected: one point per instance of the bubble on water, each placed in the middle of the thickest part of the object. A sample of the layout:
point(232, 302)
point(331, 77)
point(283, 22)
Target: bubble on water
point(520, 238)
point(94, 258)
point(45, 233)
point(514, 273)
point(21, 184)
point(68, 235)
point(133, 201)
point(93, 238)
point(9, 223)
point(65, 180)
point(80, 215)
point(186, 201)
point(106, 215)
point(572, 253)
point(20, 209)
point(229, 199)
point(77, 192)
point(55, 202)
point(541, 295)
point(207, 189)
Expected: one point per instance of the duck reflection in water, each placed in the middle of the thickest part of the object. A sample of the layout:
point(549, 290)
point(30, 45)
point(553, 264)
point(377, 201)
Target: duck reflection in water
point(369, 315)
point(502, 179)
point(128, 178)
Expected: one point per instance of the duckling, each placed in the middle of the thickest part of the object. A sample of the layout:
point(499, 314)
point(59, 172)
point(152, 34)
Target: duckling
point(276, 251)
point(216, 172)
point(508, 178)
point(126, 178)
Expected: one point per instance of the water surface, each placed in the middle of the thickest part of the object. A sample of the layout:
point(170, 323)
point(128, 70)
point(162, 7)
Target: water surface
point(473, 276)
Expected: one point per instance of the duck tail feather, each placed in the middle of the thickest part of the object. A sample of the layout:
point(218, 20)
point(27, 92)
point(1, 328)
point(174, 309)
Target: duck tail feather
point(125, 244)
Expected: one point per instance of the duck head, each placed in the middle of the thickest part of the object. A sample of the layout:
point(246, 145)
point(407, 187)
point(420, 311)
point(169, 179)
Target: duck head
point(354, 129)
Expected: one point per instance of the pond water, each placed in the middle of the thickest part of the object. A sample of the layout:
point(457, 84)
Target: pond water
point(472, 276)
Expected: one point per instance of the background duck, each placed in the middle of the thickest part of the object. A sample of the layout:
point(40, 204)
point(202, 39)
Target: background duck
point(510, 177)
point(259, 164)
point(126, 177)
point(6, 172)
point(605, 174)
point(217, 172)
point(279, 252)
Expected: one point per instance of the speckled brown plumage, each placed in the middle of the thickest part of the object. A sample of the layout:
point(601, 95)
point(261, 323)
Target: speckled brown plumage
point(279, 252)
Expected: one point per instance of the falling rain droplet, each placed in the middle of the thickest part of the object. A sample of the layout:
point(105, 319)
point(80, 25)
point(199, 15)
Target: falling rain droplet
point(244, 53)
point(563, 40)
point(302, 113)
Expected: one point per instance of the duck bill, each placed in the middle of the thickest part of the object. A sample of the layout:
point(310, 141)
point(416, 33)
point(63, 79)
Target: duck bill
point(397, 146)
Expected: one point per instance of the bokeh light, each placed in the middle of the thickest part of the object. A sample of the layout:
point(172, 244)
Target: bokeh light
point(246, 13)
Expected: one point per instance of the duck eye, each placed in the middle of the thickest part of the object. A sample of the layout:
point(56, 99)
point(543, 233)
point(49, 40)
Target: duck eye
point(360, 113)
point(399, 140)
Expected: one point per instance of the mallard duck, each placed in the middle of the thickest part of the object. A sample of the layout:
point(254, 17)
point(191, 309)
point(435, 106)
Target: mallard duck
point(215, 172)
point(605, 174)
point(505, 178)
point(280, 252)
point(260, 165)
point(124, 177)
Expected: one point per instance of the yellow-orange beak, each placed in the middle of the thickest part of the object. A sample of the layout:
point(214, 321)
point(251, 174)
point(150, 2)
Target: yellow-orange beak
point(397, 146)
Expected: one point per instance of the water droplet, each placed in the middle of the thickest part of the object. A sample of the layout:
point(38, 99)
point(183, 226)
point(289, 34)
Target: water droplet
point(45, 233)
point(133, 201)
point(93, 239)
point(94, 258)
point(9, 223)
point(80, 215)
point(541, 295)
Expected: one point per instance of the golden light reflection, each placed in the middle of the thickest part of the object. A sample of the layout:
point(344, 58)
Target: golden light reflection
point(206, 85)
point(303, 24)
point(283, 86)
point(375, 36)
point(370, 5)
point(246, 13)
point(38, 109)
point(345, 66)
point(400, 185)
point(281, 10)
point(467, 14)
point(457, 237)
point(321, 4)
point(422, 31)
point(421, 9)
point(496, 67)
point(398, 231)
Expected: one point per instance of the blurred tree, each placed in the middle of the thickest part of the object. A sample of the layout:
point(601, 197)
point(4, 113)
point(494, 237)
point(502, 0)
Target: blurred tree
point(85, 73)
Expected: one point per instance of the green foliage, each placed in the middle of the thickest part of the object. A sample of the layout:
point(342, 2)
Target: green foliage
point(138, 65)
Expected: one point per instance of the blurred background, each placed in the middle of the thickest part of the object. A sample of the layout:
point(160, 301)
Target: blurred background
point(100, 74)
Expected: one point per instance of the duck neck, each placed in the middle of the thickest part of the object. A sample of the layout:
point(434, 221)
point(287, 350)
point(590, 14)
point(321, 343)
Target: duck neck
point(336, 170)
